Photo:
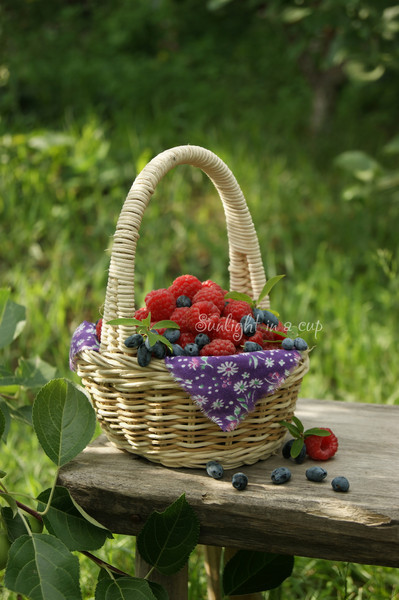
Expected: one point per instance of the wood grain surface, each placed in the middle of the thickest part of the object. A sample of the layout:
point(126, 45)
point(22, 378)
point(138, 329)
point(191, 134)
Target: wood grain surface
point(299, 518)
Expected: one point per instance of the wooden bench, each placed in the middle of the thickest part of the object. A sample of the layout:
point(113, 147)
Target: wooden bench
point(298, 518)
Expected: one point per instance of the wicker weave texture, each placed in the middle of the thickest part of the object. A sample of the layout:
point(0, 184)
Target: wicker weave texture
point(143, 410)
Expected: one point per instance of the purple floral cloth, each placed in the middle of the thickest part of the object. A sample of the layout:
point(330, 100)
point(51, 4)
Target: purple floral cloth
point(84, 337)
point(225, 388)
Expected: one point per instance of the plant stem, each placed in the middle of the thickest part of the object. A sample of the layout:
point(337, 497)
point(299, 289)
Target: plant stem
point(42, 513)
point(104, 565)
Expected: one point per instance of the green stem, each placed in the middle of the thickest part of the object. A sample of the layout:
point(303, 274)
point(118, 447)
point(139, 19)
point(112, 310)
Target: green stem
point(104, 565)
point(149, 572)
point(45, 511)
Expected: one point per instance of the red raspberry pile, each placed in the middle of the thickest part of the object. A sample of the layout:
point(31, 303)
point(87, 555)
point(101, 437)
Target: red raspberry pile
point(200, 308)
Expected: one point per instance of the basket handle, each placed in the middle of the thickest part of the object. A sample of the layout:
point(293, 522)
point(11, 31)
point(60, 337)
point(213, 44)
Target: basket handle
point(245, 263)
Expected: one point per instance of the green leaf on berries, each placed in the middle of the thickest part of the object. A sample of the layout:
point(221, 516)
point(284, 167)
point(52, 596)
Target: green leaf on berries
point(297, 447)
point(298, 423)
point(239, 296)
point(250, 571)
point(127, 322)
point(293, 429)
point(165, 324)
point(268, 287)
point(317, 431)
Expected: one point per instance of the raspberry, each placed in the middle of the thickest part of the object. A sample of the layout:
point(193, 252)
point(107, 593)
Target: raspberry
point(160, 303)
point(218, 347)
point(210, 294)
point(141, 313)
point(257, 338)
point(211, 284)
point(321, 447)
point(228, 329)
point(237, 309)
point(179, 316)
point(271, 333)
point(185, 285)
point(186, 338)
point(202, 317)
point(99, 326)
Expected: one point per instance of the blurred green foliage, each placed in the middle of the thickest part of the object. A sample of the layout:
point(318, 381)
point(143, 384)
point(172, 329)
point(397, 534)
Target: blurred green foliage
point(298, 98)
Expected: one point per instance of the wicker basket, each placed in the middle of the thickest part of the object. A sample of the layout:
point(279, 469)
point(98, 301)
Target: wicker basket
point(143, 410)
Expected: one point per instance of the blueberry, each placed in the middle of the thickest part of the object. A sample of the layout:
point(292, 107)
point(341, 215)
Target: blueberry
point(143, 355)
point(183, 301)
point(270, 319)
point(316, 473)
point(248, 325)
point(287, 452)
point(239, 481)
point(172, 335)
point(287, 344)
point(191, 349)
point(201, 340)
point(134, 341)
point(159, 350)
point(258, 315)
point(280, 475)
point(214, 469)
point(340, 484)
point(252, 347)
point(300, 344)
point(287, 448)
point(177, 350)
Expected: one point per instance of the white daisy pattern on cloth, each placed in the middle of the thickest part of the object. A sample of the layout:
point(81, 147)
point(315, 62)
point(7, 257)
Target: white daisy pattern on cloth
point(229, 387)
point(227, 368)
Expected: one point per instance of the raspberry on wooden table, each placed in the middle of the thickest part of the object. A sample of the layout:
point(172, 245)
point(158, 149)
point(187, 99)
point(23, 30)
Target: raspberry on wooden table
point(321, 447)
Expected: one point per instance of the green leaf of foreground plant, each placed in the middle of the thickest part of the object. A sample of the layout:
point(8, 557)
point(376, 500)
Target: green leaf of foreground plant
point(41, 567)
point(7, 420)
point(15, 525)
point(249, 572)
point(168, 538)
point(2, 423)
point(12, 318)
point(64, 420)
point(268, 286)
point(65, 522)
point(124, 588)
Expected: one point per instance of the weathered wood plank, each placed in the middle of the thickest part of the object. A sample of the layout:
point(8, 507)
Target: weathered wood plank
point(176, 585)
point(300, 518)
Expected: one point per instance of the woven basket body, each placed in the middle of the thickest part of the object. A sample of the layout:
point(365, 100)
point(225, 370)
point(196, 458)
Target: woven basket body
point(143, 410)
